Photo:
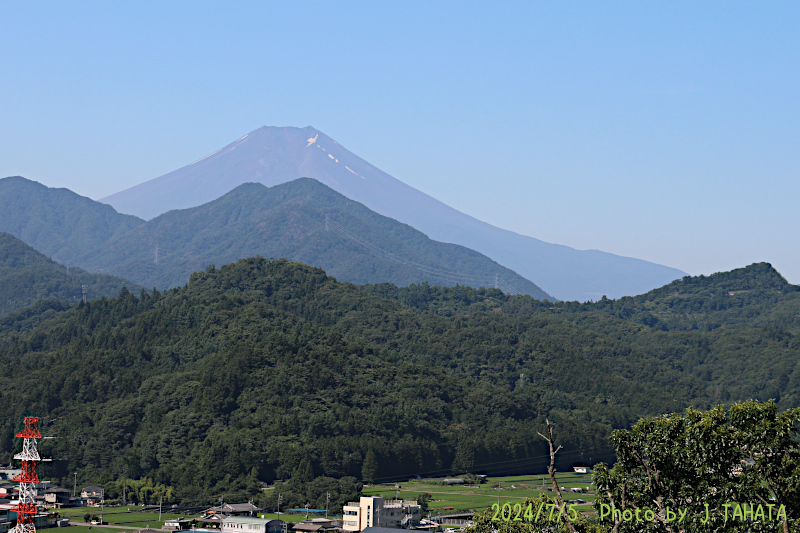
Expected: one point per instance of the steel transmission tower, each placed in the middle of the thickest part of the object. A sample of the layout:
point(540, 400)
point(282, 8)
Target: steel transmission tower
point(26, 506)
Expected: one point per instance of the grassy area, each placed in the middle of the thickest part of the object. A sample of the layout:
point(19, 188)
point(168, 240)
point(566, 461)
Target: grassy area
point(513, 489)
point(131, 517)
point(94, 529)
point(134, 518)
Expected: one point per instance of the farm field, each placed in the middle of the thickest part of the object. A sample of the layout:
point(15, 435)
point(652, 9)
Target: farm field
point(131, 517)
point(511, 489)
point(97, 529)
point(135, 518)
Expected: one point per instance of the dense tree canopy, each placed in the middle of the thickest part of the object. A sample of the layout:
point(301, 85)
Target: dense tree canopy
point(268, 369)
point(26, 276)
point(705, 472)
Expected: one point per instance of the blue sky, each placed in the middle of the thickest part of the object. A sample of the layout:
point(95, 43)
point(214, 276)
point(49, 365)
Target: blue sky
point(668, 131)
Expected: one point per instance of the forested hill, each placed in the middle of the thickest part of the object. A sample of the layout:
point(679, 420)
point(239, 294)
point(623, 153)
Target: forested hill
point(753, 296)
point(302, 220)
point(271, 369)
point(27, 276)
point(738, 331)
point(58, 222)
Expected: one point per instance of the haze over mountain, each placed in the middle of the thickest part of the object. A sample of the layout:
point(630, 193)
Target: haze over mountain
point(273, 155)
point(302, 220)
point(27, 276)
point(56, 221)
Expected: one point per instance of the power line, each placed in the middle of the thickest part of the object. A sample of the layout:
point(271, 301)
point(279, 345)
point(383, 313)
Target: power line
point(342, 232)
point(446, 275)
point(507, 465)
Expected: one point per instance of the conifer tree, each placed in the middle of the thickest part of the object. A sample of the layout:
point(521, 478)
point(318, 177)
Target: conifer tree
point(370, 468)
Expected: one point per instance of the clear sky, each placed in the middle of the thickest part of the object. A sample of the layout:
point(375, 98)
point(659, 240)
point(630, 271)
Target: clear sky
point(668, 131)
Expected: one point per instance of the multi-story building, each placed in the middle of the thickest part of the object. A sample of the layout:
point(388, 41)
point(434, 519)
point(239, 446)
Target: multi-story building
point(374, 511)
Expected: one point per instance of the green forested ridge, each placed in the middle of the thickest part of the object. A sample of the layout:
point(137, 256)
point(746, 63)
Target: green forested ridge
point(737, 331)
point(268, 370)
point(27, 276)
point(755, 295)
point(302, 220)
point(58, 222)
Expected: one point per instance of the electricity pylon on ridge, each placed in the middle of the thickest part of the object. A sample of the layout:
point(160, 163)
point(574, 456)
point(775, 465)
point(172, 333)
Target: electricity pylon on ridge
point(26, 506)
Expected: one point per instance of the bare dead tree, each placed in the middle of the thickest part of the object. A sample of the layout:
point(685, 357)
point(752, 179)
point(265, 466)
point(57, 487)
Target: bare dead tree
point(562, 508)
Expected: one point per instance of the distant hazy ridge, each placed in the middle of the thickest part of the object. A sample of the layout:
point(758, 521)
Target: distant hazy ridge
point(272, 155)
point(27, 276)
point(303, 220)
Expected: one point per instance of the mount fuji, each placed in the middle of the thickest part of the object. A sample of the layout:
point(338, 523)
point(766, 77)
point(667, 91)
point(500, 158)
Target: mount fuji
point(275, 155)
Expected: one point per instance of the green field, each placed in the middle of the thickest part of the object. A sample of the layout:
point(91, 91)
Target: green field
point(134, 518)
point(95, 529)
point(122, 516)
point(512, 489)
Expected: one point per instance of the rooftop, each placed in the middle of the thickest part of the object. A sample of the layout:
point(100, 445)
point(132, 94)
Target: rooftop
point(245, 507)
point(246, 520)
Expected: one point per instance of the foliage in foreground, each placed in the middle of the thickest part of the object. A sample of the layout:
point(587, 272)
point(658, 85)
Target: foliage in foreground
point(714, 470)
point(535, 515)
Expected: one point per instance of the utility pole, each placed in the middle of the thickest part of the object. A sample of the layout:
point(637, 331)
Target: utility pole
point(327, 501)
point(280, 499)
point(160, 500)
point(75, 484)
point(102, 504)
point(124, 486)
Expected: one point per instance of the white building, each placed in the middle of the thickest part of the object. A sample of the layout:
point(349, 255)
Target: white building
point(374, 511)
point(246, 524)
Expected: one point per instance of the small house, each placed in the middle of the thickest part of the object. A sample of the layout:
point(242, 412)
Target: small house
point(242, 524)
point(92, 494)
point(234, 509)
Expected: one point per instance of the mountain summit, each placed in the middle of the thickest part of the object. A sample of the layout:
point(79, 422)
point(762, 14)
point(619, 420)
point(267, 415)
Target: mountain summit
point(272, 155)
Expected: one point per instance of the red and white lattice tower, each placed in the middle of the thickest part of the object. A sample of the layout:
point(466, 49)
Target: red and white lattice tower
point(26, 508)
